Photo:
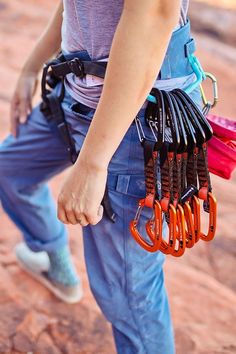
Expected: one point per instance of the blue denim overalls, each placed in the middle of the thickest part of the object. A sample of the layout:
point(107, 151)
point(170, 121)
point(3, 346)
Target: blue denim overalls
point(127, 281)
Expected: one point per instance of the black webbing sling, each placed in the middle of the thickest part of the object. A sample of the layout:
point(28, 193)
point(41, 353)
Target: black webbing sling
point(54, 73)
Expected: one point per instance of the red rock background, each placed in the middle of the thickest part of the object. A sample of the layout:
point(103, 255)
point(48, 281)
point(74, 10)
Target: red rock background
point(201, 284)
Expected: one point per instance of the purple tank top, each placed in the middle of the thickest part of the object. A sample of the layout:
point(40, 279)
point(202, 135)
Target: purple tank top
point(90, 25)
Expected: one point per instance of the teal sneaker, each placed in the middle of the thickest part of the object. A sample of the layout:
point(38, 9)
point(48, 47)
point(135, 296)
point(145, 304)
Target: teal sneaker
point(37, 264)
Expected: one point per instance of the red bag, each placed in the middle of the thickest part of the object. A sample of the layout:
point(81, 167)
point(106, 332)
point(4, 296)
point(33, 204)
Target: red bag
point(222, 146)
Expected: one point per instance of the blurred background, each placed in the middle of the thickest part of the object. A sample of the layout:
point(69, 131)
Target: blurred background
point(201, 284)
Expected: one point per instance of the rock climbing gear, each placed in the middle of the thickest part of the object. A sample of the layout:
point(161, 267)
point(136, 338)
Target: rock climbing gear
point(222, 146)
point(179, 147)
point(154, 225)
point(53, 74)
point(208, 105)
point(181, 134)
point(80, 64)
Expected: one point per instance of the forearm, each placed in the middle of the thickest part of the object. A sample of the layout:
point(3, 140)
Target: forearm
point(48, 43)
point(137, 52)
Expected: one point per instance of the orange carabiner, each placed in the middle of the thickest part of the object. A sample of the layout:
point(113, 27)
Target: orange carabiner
point(155, 224)
point(212, 210)
point(190, 231)
point(181, 236)
point(168, 247)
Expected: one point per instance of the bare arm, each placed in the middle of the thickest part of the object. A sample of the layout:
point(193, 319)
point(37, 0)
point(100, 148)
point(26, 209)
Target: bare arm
point(137, 52)
point(47, 45)
point(136, 56)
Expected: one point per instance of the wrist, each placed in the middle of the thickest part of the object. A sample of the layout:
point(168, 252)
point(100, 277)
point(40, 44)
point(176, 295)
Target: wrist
point(91, 162)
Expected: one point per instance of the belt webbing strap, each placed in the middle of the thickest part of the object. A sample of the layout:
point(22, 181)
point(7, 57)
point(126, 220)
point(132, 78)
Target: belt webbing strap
point(52, 110)
point(80, 68)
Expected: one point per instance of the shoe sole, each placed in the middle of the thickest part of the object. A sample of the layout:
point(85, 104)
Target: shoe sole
point(53, 289)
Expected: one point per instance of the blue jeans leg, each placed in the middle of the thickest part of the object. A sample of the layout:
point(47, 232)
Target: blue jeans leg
point(128, 284)
point(26, 163)
point(127, 281)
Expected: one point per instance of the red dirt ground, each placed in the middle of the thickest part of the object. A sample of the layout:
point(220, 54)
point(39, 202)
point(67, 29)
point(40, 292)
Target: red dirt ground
point(201, 284)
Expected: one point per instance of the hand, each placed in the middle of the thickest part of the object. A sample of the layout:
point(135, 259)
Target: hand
point(21, 103)
point(79, 201)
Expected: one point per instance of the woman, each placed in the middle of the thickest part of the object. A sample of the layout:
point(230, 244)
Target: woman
point(126, 281)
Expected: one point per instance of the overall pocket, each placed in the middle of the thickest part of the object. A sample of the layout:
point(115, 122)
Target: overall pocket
point(79, 117)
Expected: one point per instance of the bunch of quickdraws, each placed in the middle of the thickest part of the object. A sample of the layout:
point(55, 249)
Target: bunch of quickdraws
point(179, 151)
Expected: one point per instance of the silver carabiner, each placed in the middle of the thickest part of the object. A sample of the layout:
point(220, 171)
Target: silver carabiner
point(209, 104)
point(140, 131)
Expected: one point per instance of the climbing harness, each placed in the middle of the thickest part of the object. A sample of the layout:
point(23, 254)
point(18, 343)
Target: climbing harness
point(185, 166)
point(181, 134)
point(80, 64)
point(178, 148)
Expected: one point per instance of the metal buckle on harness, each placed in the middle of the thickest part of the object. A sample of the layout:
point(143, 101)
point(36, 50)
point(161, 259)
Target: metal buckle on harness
point(77, 67)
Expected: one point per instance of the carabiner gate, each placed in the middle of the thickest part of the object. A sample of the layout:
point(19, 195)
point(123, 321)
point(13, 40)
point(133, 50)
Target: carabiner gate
point(211, 200)
point(168, 247)
point(209, 104)
point(190, 231)
point(154, 228)
point(181, 233)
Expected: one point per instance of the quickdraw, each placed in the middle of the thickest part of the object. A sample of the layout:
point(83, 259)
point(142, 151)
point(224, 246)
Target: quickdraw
point(154, 225)
point(181, 133)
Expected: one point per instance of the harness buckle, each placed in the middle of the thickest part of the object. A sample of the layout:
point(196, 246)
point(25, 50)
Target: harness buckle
point(76, 66)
